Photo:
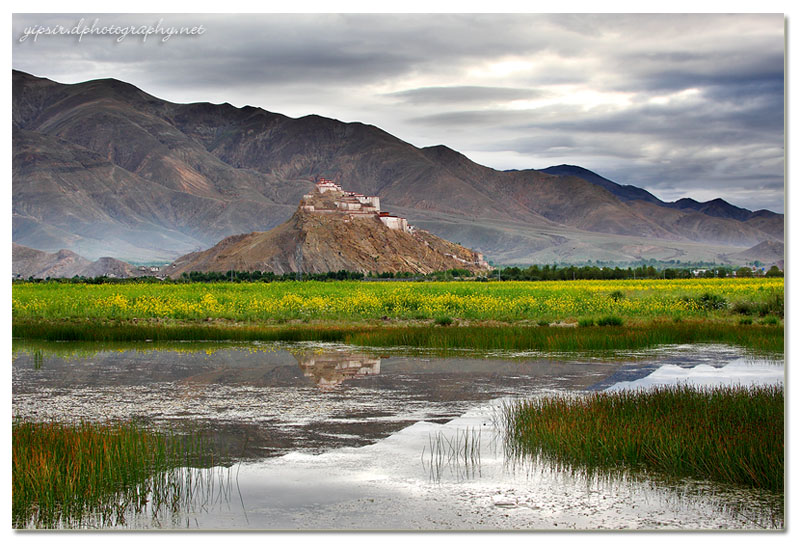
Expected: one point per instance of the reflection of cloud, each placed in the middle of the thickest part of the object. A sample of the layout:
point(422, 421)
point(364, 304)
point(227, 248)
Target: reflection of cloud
point(673, 101)
point(735, 373)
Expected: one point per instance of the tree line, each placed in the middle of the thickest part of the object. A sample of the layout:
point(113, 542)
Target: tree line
point(554, 273)
point(512, 273)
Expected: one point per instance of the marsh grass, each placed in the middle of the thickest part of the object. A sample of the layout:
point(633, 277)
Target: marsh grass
point(733, 435)
point(573, 339)
point(457, 454)
point(609, 321)
point(70, 331)
point(444, 321)
point(442, 338)
point(64, 474)
point(771, 305)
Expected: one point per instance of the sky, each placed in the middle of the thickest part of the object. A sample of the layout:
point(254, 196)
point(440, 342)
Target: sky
point(683, 105)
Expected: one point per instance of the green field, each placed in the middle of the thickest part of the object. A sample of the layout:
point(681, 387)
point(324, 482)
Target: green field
point(565, 316)
point(363, 301)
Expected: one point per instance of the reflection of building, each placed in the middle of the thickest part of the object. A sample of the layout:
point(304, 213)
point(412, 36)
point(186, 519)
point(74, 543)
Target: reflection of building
point(329, 369)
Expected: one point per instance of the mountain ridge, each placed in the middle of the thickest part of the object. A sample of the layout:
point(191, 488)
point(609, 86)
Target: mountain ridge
point(31, 263)
point(218, 170)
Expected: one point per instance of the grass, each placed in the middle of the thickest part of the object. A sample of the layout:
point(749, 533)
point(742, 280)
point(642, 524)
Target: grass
point(762, 337)
point(771, 305)
point(573, 339)
point(632, 314)
point(444, 321)
point(115, 331)
point(457, 454)
point(733, 435)
point(64, 473)
point(609, 321)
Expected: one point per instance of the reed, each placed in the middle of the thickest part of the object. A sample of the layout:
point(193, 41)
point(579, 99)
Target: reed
point(733, 435)
point(457, 453)
point(65, 473)
point(573, 339)
point(84, 330)
point(767, 338)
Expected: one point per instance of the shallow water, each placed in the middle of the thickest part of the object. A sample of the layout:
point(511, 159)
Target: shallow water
point(332, 437)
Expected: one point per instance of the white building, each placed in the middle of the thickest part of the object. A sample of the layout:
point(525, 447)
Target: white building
point(325, 185)
point(394, 222)
point(353, 204)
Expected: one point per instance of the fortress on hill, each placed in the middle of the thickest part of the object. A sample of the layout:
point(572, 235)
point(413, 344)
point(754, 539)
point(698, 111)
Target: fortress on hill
point(334, 230)
point(329, 197)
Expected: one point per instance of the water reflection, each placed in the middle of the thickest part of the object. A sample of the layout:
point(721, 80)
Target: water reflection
point(331, 437)
point(330, 368)
point(262, 400)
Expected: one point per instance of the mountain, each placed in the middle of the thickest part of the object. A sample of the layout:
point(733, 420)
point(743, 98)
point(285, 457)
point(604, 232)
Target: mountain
point(764, 220)
point(329, 233)
point(623, 192)
point(768, 253)
point(27, 262)
point(104, 169)
point(716, 208)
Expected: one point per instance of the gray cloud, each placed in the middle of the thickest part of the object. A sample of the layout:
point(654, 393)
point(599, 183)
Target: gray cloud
point(678, 104)
point(464, 94)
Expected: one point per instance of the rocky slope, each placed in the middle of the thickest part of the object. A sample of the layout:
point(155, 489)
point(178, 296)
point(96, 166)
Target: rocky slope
point(103, 168)
point(317, 243)
point(768, 253)
point(27, 262)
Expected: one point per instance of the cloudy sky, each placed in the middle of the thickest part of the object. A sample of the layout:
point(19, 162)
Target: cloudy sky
point(681, 105)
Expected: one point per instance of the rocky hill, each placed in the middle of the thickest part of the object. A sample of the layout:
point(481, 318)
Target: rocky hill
point(27, 262)
point(103, 168)
point(320, 237)
point(768, 253)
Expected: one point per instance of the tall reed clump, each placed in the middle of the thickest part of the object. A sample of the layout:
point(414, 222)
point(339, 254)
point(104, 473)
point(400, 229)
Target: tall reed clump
point(63, 473)
point(727, 434)
point(128, 332)
point(572, 339)
point(443, 338)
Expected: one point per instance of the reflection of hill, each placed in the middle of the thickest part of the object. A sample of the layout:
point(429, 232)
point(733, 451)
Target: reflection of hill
point(329, 369)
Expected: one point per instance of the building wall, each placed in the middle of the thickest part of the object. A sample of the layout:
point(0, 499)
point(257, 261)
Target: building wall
point(324, 186)
point(395, 223)
point(372, 201)
point(349, 206)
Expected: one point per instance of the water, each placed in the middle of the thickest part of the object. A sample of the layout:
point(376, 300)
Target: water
point(331, 437)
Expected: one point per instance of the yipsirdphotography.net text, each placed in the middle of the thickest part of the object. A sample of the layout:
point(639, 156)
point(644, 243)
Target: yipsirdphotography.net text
point(85, 29)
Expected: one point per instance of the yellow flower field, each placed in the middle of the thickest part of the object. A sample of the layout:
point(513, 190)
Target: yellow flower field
point(357, 301)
